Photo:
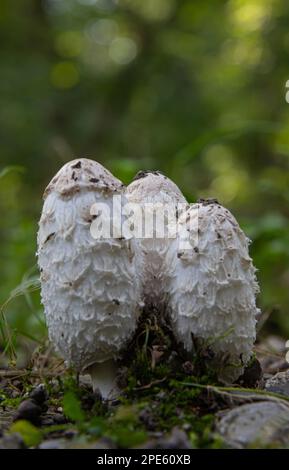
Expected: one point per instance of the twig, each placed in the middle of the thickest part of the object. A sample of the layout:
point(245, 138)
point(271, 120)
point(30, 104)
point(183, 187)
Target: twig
point(266, 352)
point(155, 382)
point(255, 393)
point(23, 372)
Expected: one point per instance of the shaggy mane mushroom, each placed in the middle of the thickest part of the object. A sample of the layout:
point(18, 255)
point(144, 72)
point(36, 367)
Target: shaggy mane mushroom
point(89, 286)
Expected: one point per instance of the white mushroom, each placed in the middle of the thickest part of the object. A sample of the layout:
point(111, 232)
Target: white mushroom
point(153, 191)
point(213, 286)
point(90, 290)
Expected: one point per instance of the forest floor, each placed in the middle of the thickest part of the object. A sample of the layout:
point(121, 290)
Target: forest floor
point(167, 401)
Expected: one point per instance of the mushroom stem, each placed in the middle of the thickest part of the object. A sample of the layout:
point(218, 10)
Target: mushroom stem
point(103, 377)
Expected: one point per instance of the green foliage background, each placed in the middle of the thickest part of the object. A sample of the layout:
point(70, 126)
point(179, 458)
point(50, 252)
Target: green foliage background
point(193, 88)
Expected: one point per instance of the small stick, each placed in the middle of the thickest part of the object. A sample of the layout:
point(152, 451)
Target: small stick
point(150, 385)
point(21, 372)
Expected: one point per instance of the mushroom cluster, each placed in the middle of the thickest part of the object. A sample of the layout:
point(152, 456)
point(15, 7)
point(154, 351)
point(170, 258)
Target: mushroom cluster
point(202, 280)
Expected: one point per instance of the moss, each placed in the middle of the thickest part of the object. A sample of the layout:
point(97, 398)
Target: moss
point(7, 402)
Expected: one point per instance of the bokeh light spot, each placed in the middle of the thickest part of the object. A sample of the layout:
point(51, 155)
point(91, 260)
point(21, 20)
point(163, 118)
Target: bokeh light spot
point(230, 185)
point(102, 31)
point(64, 75)
point(123, 50)
point(69, 43)
point(219, 158)
point(251, 15)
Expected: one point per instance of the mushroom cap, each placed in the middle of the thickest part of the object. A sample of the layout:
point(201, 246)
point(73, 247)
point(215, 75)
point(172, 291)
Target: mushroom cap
point(153, 186)
point(89, 286)
point(82, 173)
point(213, 285)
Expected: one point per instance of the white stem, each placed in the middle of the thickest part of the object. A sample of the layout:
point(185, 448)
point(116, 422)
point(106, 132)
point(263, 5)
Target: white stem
point(103, 377)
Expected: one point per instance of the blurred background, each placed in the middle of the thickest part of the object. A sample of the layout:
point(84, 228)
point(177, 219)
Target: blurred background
point(195, 89)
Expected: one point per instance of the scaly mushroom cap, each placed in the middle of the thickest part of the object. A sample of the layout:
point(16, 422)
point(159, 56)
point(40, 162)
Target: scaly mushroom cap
point(82, 173)
point(213, 286)
point(89, 287)
point(152, 187)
